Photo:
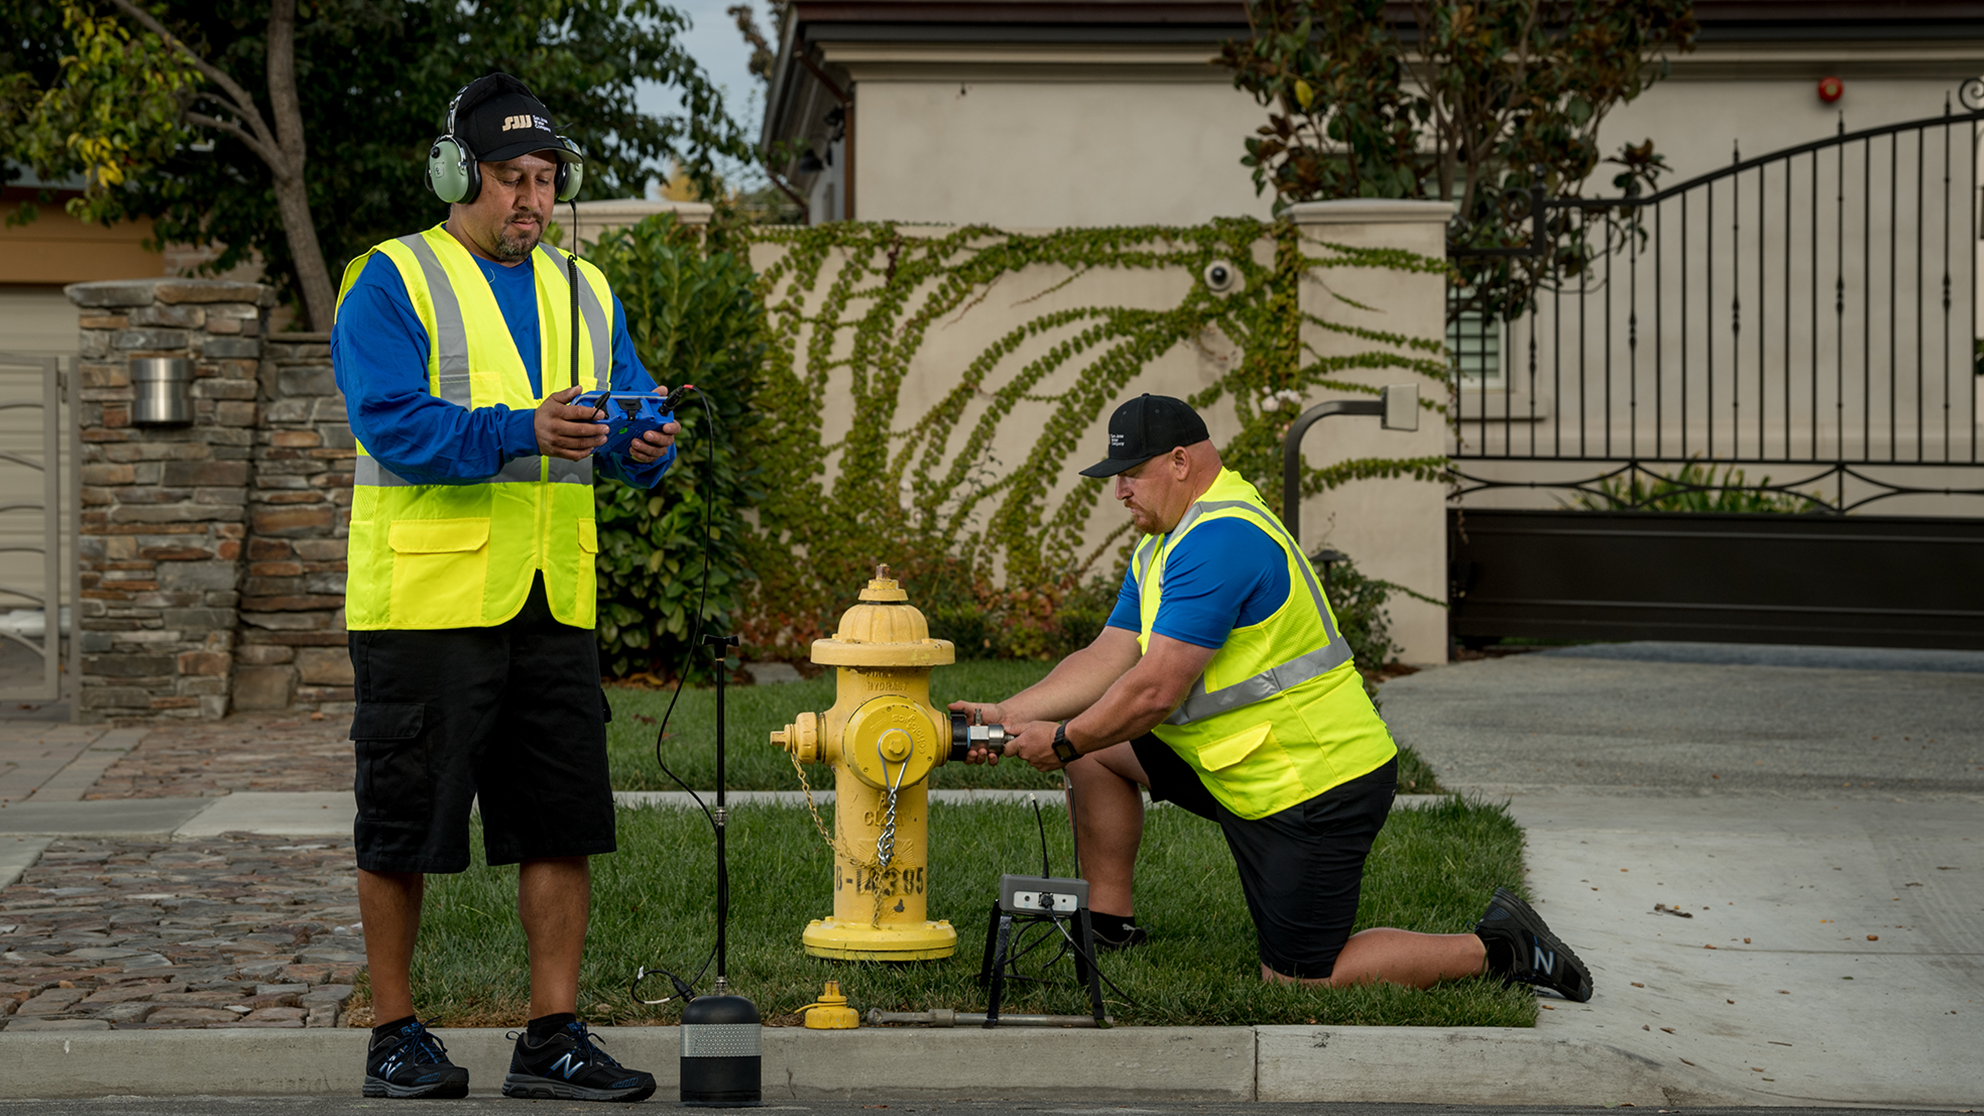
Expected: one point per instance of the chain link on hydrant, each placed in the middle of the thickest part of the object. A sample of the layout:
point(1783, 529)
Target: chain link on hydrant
point(882, 738)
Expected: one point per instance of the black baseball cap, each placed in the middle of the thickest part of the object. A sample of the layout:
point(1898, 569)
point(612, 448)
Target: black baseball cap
point(497, 117)
point(1145, 427)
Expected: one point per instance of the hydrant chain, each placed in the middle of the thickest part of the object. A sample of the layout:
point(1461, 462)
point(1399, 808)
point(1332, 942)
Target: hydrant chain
point(885, 841)
point(835, 845)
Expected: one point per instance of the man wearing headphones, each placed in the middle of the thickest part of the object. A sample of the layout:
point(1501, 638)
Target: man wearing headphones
point(470, 595)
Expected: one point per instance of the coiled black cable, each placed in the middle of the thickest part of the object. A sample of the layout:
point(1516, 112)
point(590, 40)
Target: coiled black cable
point(685, 989)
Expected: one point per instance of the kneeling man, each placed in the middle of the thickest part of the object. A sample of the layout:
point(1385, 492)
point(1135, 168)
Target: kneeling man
point(1222, 684)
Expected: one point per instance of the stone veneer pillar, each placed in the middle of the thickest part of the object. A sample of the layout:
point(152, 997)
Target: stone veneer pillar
point(291, 649)
point(164, 507)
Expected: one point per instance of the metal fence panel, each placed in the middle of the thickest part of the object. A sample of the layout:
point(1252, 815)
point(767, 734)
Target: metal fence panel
point(1816, 306)
point(32, 519)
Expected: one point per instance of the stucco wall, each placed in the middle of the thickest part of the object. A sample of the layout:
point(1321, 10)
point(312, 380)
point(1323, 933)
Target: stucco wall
point(1697, 122)
point(1054, 153)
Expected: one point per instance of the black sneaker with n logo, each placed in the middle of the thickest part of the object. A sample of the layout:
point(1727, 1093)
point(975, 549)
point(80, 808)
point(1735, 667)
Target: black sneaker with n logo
point(1522, 948)
point(567, 1066)
point(411, 1062)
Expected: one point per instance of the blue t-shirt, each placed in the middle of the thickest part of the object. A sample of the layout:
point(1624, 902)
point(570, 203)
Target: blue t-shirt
point(1224, 574)
point(379, 355)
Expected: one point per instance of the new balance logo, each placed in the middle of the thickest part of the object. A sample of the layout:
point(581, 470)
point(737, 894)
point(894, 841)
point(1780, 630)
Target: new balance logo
point(571, 1066)
point(1543, 961)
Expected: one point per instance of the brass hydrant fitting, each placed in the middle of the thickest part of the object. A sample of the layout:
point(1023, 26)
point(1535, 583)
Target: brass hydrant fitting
point(882, 738)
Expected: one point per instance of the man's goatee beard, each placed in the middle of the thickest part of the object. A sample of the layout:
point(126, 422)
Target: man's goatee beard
point(512, 246)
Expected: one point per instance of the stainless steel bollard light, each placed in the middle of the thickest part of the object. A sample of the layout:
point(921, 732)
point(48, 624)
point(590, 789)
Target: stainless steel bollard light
point(161, 390)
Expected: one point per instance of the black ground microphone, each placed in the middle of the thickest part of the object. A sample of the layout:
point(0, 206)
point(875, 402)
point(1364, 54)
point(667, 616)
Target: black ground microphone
point(722, 1034)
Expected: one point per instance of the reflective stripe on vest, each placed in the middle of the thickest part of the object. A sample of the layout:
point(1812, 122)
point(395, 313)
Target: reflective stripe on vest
point(450, 326)
point(1199, 704)
point(519, 470)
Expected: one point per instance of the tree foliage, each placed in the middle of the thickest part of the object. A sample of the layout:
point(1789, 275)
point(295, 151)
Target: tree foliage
point(114, 102)
point(1478, 103)
point(373, 79)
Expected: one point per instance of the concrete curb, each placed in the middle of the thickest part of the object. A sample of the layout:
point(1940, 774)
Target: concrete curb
point(1192, 1064)
point(17, 855)
point(1470, 1065)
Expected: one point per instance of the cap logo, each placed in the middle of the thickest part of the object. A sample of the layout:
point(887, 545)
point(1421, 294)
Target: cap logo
point(527, 121)
point(1115, 440)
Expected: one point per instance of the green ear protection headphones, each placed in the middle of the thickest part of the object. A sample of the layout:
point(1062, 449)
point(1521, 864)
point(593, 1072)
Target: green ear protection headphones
point(455, 175)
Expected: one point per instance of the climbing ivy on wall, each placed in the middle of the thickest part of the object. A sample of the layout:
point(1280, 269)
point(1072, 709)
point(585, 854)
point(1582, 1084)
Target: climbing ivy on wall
point(967, 497)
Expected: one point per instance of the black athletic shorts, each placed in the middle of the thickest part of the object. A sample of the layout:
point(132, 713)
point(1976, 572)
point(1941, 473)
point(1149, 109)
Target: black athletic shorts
point(512, 714)
point(1301, 869)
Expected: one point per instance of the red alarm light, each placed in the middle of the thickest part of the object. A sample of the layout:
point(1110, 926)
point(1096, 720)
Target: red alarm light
point(1831, 89)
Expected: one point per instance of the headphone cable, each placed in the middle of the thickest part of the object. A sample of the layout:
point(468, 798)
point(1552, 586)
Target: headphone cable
point(572, 281)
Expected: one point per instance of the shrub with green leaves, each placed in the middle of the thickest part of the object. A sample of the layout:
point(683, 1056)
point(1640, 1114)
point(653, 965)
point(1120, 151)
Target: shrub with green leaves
point(694, 319)
point(1359, 604)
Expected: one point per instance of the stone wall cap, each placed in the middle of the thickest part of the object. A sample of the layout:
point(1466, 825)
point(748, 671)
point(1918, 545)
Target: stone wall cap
point(1371, 211)
point(644, 207)
point(597, 218)
point(169, 289)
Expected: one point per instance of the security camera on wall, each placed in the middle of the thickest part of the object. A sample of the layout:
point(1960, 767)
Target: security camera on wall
point(1222, 278)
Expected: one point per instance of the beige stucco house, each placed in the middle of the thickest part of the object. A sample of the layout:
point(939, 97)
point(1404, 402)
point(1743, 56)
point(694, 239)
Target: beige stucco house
point(1094, 112)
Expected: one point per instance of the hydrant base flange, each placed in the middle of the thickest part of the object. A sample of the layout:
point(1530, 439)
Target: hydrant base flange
point(827, 937)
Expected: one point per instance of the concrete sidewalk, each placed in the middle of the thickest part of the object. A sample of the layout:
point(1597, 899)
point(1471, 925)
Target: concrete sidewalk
point(1813, 812)
point(1648, 780)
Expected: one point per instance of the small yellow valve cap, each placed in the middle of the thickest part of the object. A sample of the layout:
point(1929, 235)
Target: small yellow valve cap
point(831, 1013)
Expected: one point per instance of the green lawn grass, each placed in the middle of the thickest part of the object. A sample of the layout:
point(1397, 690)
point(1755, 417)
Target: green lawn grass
point(1432, 870)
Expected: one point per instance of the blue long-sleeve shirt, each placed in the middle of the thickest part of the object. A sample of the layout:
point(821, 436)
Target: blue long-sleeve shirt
point(379, 355)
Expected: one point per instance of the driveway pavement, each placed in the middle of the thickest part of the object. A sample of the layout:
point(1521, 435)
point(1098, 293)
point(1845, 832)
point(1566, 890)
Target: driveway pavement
point(1772, 859)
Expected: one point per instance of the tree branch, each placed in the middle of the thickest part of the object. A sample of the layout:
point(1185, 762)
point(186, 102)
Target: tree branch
point(283, 101)
point(242, 104)
point(202, 120)
point(805, 211)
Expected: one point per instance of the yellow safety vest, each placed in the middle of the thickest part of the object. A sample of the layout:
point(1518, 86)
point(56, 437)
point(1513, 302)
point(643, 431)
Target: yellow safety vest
point(1280, 714)
point(464, 555)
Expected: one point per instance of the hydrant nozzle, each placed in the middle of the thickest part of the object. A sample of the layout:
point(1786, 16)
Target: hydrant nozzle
point(882, 738)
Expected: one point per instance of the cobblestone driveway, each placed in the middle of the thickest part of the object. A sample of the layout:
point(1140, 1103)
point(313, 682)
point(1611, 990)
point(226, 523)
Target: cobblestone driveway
point(240, 930)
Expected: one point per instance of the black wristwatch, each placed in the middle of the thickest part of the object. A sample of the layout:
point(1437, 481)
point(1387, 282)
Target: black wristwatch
point(1063, 750)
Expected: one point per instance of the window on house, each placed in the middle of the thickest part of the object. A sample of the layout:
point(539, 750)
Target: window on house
point(1475, 339)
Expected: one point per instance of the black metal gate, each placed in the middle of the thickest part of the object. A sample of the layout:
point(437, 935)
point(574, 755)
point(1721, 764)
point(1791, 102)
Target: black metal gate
point(1643, 361)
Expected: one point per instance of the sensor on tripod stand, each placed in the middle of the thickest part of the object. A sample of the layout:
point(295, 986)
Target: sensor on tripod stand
point(1042, 895)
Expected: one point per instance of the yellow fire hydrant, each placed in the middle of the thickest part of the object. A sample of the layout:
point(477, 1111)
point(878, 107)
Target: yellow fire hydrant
point(882, 738)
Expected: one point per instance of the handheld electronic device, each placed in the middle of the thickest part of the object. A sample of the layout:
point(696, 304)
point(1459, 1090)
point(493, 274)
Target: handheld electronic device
point(628, 415)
